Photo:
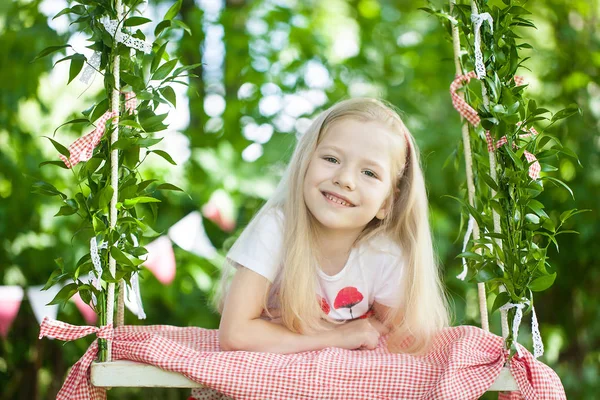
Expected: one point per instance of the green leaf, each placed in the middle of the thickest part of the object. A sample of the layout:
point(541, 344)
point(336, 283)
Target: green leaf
point(542, 283)
point(568, 214)
point(59, 147)
point(169, 94)
point(105, 196)
point(130, 123)
point(62, 12)
point(168, 186)
point(163, 71)
point(57, 163)
point(47, 189)
point(120, 257)
point(73, 121)
point(140, 200)
point(50, 50)
point(566, 112)
point(161, 27)
point(558, 182)
point(157, 57)
point(55, 277)
point(172, 12)
point(76, 66)
point(501, 299)
point(64, 294)
point(135, 21)
point(183, 26)
point(135, 81)
point(537, 208)
point(164, 155)
point(99, 110)
point(67, 210)
point(148, 141)
point(489, 181)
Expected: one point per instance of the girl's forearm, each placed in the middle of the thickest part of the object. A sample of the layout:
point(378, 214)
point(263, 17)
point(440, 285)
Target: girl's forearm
point(267, 337)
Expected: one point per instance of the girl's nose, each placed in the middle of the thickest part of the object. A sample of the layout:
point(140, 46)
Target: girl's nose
point(345, 179)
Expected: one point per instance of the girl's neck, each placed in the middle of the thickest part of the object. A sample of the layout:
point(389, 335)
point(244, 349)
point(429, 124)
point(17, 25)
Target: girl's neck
point(334, 245)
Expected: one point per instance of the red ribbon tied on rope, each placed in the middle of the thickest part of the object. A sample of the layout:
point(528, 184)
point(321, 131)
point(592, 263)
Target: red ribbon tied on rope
point(469, 113)
point(67, 332)
point(83, 148)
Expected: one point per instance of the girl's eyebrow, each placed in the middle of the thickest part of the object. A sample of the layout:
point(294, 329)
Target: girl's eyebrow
point(365, 160)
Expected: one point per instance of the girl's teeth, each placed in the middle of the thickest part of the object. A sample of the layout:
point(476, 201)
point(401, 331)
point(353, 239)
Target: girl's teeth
point(335, 199)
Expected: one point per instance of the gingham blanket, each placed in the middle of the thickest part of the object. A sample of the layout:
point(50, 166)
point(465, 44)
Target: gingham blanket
point(463, 363)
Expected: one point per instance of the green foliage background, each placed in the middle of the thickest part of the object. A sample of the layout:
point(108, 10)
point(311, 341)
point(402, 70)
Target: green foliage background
point(404, 56)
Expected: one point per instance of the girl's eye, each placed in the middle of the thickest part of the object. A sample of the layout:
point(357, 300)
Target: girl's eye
point(330, 159)
point(370, 174)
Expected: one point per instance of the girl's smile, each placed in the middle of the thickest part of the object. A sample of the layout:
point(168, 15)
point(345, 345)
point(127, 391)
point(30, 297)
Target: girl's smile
point(337, 200)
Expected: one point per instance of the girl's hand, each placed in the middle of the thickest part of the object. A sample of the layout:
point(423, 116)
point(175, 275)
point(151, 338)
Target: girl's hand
point(357, 334)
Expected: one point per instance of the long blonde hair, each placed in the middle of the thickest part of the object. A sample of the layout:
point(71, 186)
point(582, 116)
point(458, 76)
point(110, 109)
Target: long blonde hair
point(422, 308)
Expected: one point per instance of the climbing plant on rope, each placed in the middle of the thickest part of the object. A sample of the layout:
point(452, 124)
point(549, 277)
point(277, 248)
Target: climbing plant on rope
point(509, 156)
point(115, 203)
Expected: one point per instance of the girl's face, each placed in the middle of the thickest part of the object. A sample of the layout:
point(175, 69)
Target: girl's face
point(348, 181)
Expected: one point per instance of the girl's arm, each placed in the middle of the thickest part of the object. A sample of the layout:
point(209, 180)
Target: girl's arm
point(242, 329)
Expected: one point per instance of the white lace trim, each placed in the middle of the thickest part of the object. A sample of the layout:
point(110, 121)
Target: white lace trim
point(97, 273)
point(92, 65)
point(478, 20)
point(111, 26)
point(538, 345)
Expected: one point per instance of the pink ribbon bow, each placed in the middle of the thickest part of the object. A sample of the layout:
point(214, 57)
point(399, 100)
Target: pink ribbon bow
point(83, 148)
point(469, 113)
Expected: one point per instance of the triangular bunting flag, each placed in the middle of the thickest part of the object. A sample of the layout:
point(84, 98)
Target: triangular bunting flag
point(189, 234)
point(10, 302)
point(39, 299)
point(161, 260)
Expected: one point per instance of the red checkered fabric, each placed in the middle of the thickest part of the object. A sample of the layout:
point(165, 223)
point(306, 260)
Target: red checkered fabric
point(130, 102)
point(459, 103)
point(463, 363)
point(534, 168)
point(469, 113)
point(83, 148)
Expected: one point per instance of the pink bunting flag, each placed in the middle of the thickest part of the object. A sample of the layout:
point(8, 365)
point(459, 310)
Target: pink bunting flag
point(89, 315)
point(212, 211)
point(10, 302)
point(161, 259)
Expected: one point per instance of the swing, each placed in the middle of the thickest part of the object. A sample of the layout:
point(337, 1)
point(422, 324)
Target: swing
point(127, 373)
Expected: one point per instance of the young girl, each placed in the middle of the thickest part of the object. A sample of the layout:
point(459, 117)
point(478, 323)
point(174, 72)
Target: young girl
point(342, 252)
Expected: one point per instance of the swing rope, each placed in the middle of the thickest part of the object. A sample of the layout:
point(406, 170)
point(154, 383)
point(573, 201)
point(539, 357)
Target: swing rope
point(469, 172)
point(114, 182)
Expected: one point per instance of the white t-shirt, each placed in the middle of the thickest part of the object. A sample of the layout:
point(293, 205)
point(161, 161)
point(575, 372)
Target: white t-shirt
point(371, 274)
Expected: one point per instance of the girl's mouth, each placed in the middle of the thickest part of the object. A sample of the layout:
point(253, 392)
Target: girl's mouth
point(336, 200)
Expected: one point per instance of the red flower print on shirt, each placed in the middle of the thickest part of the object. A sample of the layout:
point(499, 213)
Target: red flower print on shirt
point(324, 305)
point(348, 297)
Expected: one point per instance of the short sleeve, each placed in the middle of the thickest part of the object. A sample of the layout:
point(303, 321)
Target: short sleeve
point(387, 289)
point(259, 246)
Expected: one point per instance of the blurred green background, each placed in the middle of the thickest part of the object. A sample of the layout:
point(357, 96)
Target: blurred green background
point(269, 67)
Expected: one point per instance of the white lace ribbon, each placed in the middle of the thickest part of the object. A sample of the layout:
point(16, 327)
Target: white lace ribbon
point(463, 274)
point(133, 296)
point(92, 65)
point(538, 345)
point(97, 274)
point(111, 26)
point(478, 20)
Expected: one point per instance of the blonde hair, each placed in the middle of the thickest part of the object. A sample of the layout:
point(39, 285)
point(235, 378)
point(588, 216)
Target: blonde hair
point(422, 308)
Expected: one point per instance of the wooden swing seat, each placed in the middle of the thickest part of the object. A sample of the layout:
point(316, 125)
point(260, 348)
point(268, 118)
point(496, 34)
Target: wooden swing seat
point(133, 374)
